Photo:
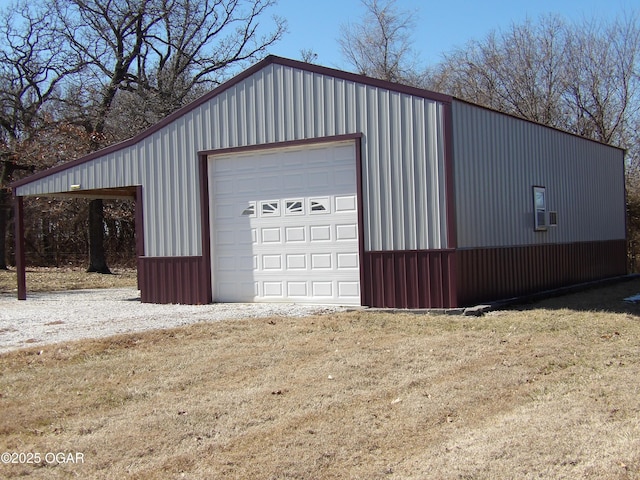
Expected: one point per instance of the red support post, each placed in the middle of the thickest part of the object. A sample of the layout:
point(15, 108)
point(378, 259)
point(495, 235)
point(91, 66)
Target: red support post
point(20, 261)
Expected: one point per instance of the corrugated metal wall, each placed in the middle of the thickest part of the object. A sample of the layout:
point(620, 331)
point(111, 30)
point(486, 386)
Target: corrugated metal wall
point(498, 159)
point(402, 152)
point(489, 274)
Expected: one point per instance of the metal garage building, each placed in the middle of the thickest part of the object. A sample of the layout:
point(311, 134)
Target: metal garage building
point(298, 183)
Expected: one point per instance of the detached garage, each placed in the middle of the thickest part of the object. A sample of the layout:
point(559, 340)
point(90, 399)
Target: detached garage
point(298, 183)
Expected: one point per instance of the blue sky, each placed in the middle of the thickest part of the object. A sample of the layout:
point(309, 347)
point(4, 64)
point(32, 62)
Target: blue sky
point(440, 25)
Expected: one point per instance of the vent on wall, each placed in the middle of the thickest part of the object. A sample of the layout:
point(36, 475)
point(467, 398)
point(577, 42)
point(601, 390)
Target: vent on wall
point(553, 219)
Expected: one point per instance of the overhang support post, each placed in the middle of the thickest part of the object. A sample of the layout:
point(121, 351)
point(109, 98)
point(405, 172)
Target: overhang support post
point(20, 259)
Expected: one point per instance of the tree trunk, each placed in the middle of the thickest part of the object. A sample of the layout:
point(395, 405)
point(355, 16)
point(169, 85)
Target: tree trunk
point(5, 202)
point(97, 260)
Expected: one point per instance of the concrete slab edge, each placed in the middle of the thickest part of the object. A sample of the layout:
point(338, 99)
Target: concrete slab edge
point(479, 310)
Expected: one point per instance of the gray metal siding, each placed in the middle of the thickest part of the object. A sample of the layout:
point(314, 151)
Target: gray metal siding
point(497, 161)
point(403, 156)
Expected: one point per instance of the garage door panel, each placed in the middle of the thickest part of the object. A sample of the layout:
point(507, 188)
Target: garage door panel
point(344, 178)
point(295, 234)
point(297, 289)
point(270, 235)
point(238, 289)
point(322, 289)
point(225, 237)
point(349, 290)
point(226, 263)
point(223, 186)
point(287, 229)
point(272, 262)
point(345, 204)
point(225, 211)
point(318, 179)
point(272, 289)
point(271, 184)
point(347, 232)
point(321, 261)
point(347, 261)
point(296, 261)
point(320, 233)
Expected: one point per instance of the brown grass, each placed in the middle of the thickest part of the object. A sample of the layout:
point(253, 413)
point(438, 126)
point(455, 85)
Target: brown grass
point(547, 391)
point(43, 279)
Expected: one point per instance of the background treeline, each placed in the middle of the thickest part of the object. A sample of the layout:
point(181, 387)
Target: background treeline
point(582, 77)
point(78, 75)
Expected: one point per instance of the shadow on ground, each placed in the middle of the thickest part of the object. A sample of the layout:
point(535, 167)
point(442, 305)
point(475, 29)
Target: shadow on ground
point(608, 298)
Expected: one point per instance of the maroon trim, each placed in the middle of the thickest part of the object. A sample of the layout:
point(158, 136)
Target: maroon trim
point(239, 78)
point(409, 279)
point(360, 200)
point(285, 144)
point(356, 78)
point(205, 270)
point(630, 267)
point(20, 257)
point(148, 132)
point(489, 274)
point(139, 222)
point(225, 86)
point(204, 192)
point(139, 226)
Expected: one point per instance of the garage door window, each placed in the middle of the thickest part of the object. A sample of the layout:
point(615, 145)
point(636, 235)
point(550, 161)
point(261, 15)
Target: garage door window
point(294, 207)
point(270, 208)
point(250, 211)
point(319, 205)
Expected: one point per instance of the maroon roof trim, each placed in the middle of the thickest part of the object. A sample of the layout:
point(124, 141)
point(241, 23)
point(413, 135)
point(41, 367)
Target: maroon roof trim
point(286, 143)
point(357, 78)
point(271, 59)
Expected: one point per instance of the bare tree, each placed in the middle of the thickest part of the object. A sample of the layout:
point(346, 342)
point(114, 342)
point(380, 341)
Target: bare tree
point(602, 82)
point(307, 55)
point(152, 55)
point(582, 78)
point(519, 71)
point(198, 44)
point(33, 64)
point(110, 35)
point(381, 46)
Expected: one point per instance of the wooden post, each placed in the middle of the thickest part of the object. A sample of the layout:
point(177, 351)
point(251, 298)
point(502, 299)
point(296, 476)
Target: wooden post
point(20, 261)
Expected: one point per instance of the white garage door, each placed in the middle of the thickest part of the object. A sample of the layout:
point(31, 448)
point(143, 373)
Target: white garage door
point(284, 226)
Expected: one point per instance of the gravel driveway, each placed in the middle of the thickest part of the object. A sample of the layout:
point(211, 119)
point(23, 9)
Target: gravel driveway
point(46, 318)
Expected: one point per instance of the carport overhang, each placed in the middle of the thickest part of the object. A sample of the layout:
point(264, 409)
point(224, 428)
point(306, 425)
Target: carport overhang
point(119, 193)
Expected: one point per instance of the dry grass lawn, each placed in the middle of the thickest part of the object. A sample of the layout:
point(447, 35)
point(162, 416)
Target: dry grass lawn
point(43, 279)
point(549, 390)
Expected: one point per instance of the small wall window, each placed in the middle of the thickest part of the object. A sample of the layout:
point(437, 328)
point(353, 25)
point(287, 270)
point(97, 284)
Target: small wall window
point(540, 208)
